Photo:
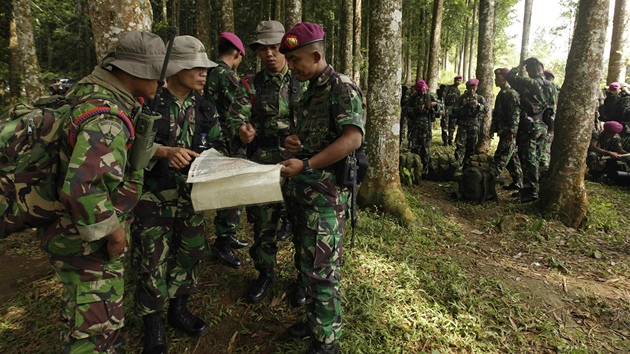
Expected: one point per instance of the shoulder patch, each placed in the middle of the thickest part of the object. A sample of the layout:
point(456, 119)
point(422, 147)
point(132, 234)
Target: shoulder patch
point(110, 130)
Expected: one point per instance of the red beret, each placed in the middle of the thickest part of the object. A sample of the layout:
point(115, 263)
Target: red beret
point(549, 73)
point(472, 82)
point(420, 85)
point(233, 39)
point(614, 86)
point(501, 71)
point(613, 127)
point(300, 35)
point(458, 77)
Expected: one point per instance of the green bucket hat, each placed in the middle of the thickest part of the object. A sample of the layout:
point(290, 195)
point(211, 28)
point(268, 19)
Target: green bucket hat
point(188, 52)
point(140, 54)
point(268, 33)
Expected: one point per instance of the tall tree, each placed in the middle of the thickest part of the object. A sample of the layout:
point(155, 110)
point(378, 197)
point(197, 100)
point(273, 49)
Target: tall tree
point(434, 47)
point(619, 43)
point(227, 16)
point(563, 195)
point(347, 36)
point(356, 43)
point(294, 13)
point(527, 24)
point(471, 48)
point(485, 67)
point(27, 53)
point(204, 29)
point(14, 64)
point(108, 25)
point(382, 184)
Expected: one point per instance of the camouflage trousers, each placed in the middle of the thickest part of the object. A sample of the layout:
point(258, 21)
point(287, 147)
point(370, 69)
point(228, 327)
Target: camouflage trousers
point(403, 129)
point(545, 153)
point(420, 140)
point(265, 219)
point(530, 139)
point(226, 221)
point(506, 157)
point(596, 166)
point(465, 144)
point(92, 301)
point(448, 124)
point(168, 253)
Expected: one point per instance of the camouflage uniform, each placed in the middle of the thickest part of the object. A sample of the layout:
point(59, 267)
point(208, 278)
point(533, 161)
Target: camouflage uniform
point(169, 236)
point(610, 142)
point(545, 153)
point(98, 191)
point(270, 116)
point(505, 118)
point(320, 205)
point(469, 120)
point(421, 115)
point(450, 96)
point(404, 113)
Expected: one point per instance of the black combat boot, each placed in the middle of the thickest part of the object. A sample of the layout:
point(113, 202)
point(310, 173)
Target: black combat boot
point(224, 253)
point(528, 195)
point(298, 298)
point(236, 243)
point(286, 230)
point(154, 338)
point(179, 317)
point(318, 347)
point(299, 330)
point(512, 187)
point(261, 286)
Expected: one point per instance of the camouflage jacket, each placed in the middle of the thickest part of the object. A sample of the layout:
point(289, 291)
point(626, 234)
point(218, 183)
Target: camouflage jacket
point(419, 105)
point(164, 185)
point(535, 93)
point(330, 102)
point(97, 187)
point(450, 96)
point(468, 115)
point(270, 114)
point(506, 112)
point(222, 85)
point(607, 141)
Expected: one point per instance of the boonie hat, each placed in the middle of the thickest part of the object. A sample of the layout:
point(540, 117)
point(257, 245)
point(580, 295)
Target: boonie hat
point(188, 52)
point(268, 33)
point(472, 82)
point(300, 35)
point(232, 39)
point(140, 54)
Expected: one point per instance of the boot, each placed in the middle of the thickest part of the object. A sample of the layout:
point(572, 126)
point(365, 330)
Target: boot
point(318, 347)
point(299, 330)
point(286, 230)
point(224, 253)
point(236, 243)
point(154, 338)
point(512, 187)
point(261, 287)
point(179, 317)
point(528, 195)
point(298, 298)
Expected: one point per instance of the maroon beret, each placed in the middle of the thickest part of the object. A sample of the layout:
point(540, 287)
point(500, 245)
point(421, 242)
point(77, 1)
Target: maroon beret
point(614, 86)
point(472, 82)
point(549, 73)
point(300, 35)
point(613, 127)
point(458, 77)
point(501, 71)
point(420, 85)
point(233, 39)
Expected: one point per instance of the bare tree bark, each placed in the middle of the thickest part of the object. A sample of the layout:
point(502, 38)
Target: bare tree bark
point(164, 10)
point(204, 23)
point(347, 17)
point(109, 24)
point(527, 24)
point(619, 44)
point(27, 53)
point(464, 52)
point(433, 70)
point(356, 45)
point(175, 7)
point(294, 13)
point(382, 184)
point(471, 50)
point(563, 194)
point(485, 68)
point(227, 16)
point(15, 85)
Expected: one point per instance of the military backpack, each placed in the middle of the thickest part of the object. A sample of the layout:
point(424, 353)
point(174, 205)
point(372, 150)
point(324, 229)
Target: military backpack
point(442, 166)
point(477, 184)
point(410, 168)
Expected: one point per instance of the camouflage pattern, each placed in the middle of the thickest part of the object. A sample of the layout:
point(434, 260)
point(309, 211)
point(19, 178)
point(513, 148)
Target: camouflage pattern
point(534, 95)
point(605, 141)
point(469, 120)
point(404, 113)
point(169, 236)
point(545, 151)
point(450, 97)
point(421, 115)
point(265, 219)
point(505, 118)
point(98, 191)
point(318, 206)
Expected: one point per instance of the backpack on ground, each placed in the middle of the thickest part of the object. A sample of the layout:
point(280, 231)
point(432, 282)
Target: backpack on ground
point(30, 138)
point(410, 168)
point(442, 167)
point(477, 184)
point(481, 160)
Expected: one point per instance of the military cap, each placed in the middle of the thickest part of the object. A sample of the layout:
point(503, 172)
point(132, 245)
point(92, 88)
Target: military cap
point(614, 86)
point(472, 82)
point(300, 35)
point(613, 127)
point(549, 73)
point(458, 77)
point(188, 52)
point(232, 39)
point(420, 85)
point(501, 71)
point(268, 33)
point(140, 54)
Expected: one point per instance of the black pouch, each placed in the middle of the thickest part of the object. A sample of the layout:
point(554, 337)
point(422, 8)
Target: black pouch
point(353, 168)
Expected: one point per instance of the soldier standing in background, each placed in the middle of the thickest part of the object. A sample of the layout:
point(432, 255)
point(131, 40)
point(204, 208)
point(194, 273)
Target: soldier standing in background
point(450, 96)
point(469, 110)
point(422, 107)
point(87, 244)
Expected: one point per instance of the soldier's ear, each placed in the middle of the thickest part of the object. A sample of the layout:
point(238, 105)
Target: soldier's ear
point(317, 56)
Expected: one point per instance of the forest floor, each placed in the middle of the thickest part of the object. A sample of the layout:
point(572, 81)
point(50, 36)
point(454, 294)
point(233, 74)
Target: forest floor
point(490, 278)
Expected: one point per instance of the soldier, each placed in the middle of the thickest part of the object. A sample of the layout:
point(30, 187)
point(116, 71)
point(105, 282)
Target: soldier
point(470, 110)
point(404, 115)
point(169, 236)
point(549, 117)
point(87, 243)
point(532, 130)
point(505, 117)
point(262, 124)
point(329, 127)
point(449, 96)
point(422, 108)
point(606, 143)
point(221, 87)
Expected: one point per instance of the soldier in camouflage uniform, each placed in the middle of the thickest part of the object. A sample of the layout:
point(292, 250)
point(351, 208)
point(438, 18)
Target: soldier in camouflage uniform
point(262, 125)
point(549, 117)
point(469, 110)
point(169, 236)
point(505, 118)
point(87, 243)
point(531, 130)
point(422, 107)
point(606, 143)
point(221, 87)
point(450, 96)
point(334, 102)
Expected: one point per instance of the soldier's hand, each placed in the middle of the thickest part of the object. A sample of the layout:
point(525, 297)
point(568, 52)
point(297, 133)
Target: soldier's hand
point(614, 155)
point(292, 168)
point(247, 133)
point(293, 144)
point(180, 157)
point(116, 243)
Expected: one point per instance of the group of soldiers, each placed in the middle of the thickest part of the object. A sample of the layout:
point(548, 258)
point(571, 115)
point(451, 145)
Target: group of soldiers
point(523, 118)
point(297, 111)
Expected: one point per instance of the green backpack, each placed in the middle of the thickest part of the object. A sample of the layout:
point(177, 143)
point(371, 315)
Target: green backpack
point(409, 168)
point(442, 166)
point(477, 184)
point(30, 139)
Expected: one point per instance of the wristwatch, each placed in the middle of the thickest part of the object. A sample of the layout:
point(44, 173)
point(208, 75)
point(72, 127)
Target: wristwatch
point(307, 170)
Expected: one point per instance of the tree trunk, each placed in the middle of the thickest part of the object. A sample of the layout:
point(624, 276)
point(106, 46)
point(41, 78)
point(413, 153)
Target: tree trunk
point(527, 24)
point(618, 46)
point(485, 68)
point(434, 47)
point(347, 16)
point(368, 29)
point(278, 10)
point(464, 52)
point(15, 86)
point(227, 16)
point(175, 7)
point(164, 10)
point(471, 50)
point(294, 13)
point(381, 187)
point(204, 23)
point(356, 45)
point(563, 194)
point(109, 24)
point(26, 50)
